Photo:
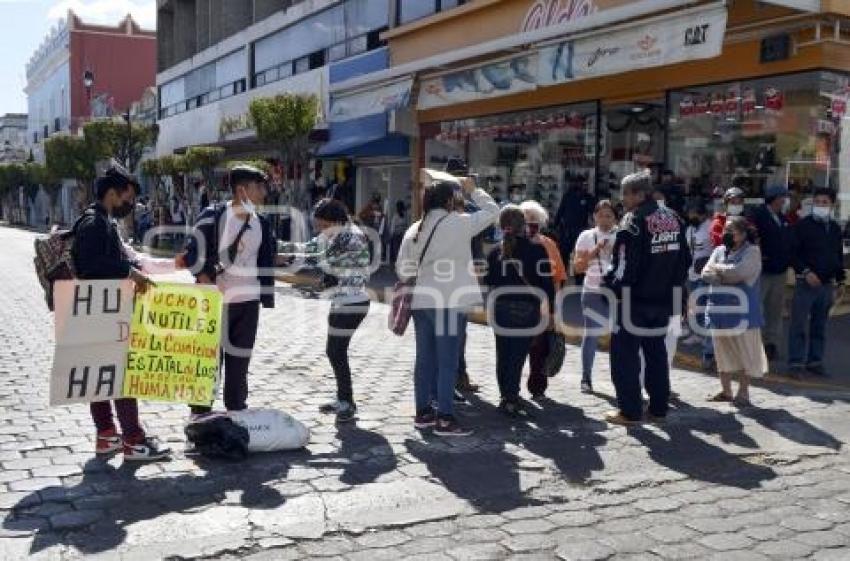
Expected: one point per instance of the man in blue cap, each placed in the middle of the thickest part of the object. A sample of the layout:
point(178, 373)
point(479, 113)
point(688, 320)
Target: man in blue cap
point(775, 241)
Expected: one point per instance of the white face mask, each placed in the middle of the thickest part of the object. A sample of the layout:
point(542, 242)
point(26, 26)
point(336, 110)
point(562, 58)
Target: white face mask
point(822, 212)
point(734, 210)
point(249, 207)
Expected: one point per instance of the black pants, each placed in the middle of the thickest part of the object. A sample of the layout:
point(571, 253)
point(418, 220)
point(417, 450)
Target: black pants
point(512, 349)
point(625, 361)
point(240, 326)
point(343, 321)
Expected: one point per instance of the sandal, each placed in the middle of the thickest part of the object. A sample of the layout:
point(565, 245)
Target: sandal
point(720, 398)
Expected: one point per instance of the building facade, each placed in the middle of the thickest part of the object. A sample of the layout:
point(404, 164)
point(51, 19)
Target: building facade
point(13, 137)
point(541, 96)
point(81, 71)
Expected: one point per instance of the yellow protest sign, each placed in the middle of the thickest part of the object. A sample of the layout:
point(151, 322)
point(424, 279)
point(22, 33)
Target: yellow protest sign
point(174, 344)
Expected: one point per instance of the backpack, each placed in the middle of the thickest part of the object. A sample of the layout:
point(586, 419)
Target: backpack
point(53, 260)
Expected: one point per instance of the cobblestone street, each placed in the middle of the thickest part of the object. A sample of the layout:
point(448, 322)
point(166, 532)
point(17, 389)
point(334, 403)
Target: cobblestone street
point(771, 482)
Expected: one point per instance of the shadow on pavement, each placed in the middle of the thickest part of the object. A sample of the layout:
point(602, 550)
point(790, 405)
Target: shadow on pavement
point(356, 440)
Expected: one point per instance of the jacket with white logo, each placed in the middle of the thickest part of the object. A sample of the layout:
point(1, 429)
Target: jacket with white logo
point(650, 257)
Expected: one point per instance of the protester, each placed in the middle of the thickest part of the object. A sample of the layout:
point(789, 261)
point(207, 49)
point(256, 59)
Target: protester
point(699, 242)
point(737, 334)
point(649, 267)
point(818, 259)
point(593, 259)
point(341, 251)
point(440, 301)
point(236, 252)
point(98, 253)
point(519, 276)
point(733, 205)
point(774, 233)
point(572, 218)
point(536, 220)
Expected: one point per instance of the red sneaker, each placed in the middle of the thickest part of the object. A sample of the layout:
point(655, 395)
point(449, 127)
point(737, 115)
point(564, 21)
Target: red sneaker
point(108, 441)
point(145, 449)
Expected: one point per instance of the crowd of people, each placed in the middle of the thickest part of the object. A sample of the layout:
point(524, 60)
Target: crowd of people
point(645, 267)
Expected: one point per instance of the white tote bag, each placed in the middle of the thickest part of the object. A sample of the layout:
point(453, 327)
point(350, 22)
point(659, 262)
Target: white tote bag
point(271, 430)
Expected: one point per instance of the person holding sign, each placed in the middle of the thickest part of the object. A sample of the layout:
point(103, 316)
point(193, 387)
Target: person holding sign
point(98, 253)
point(233, 247)
point(341, 251)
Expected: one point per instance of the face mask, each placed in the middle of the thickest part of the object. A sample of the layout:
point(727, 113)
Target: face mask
point(516, 199)
point(729, 240)
point(734, 210)
point(694, 221)
point(123, 211)
point(249, 206)
point(822, 212)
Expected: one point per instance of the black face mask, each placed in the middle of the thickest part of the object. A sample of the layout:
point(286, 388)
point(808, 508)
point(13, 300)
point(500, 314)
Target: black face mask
point(729, 241)
point(123, 211)
point(695, 221)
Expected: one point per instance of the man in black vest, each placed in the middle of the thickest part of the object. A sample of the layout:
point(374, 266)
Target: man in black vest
point(775, 241)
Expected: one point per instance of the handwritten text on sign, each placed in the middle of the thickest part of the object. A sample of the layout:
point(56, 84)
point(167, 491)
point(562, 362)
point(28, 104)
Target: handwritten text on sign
point(92, 327)
point(174, 344)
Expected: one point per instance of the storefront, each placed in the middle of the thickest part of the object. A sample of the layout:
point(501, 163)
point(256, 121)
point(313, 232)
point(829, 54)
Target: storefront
point(694, 90)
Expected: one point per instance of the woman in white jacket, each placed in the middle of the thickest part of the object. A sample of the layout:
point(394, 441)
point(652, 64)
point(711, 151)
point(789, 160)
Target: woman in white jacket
point(445, 289)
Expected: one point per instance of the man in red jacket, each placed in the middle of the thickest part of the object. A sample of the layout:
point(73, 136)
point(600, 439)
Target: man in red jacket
point(733, 202)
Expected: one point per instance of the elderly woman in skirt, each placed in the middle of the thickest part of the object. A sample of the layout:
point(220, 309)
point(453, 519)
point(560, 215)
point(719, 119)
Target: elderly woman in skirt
point(734, 310)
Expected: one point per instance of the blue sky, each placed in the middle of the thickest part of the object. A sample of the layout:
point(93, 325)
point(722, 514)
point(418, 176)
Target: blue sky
point(24, 24)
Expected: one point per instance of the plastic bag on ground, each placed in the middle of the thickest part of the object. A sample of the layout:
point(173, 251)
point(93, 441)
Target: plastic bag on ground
point(271, 430)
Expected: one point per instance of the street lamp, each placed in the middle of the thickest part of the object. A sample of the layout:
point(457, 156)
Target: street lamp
point(128, 119)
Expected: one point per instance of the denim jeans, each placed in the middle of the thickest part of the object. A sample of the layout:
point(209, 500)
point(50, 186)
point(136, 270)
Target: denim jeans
point(810, 306)
point(512, 348)
point(437, 351)
point(596, 302)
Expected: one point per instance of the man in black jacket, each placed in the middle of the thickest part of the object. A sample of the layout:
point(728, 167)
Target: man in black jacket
point(98, 253)
point(818, 261)
point(775, 241)
point(239, 250)
point(648, 274)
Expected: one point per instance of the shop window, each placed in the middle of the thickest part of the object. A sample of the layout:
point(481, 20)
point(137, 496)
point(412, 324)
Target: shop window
point(411, 10)
point(751, 134)
point(536, 154)
point(633, 138)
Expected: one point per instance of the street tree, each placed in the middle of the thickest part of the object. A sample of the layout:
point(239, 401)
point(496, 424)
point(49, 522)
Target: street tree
point(204, 159)
point(73, 158)
point(107, 138)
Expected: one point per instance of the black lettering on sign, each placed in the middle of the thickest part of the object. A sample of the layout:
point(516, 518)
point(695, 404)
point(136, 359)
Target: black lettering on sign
point(81, 382)
point(106, 377)
point(78, 300)
point(106, 308)
point(696, 35)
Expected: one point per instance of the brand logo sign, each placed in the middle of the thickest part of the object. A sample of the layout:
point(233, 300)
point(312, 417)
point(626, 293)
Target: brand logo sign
point(545, 13)
point(678, 38)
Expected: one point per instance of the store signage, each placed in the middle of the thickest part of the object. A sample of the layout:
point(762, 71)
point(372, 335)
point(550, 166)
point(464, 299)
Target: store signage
point(371, 102)
point(545, 13)
point(501, 78)
point(679, 38)
point(515, 130)
point(732, 103)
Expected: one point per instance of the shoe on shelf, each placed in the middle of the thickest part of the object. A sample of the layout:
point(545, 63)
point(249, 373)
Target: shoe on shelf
point(448, 426)
point(425, 420)
point(145, 450)
point(108, 441)
point(617, 418)
point(586, 386)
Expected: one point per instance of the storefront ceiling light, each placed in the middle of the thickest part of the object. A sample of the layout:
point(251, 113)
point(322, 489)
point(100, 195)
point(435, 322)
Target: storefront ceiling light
point(607, 19)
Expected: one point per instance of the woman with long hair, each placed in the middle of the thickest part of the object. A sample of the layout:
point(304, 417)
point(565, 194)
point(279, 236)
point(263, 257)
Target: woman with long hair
point(341, 252)
point(734, 310)
point(519, 275)
point(437, 252)
point(592, 259)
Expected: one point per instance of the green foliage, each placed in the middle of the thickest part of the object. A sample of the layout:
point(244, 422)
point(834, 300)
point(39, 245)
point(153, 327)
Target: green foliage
point(108, 139)
point(69, 156)
point(152, 168)
point(286, 121)
point(173, 165)
point(204, 159)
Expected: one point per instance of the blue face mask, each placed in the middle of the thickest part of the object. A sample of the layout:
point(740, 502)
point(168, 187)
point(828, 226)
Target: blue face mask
point(822, 213)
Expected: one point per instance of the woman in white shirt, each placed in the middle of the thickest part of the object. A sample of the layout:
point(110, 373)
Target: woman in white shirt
point(445, 289)
point(698, 235)
point(593, 258)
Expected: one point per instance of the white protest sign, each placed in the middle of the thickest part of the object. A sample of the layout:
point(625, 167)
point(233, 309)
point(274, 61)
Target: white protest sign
point(92, 330)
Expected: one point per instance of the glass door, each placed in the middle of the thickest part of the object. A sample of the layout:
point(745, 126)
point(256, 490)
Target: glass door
point(632, 138)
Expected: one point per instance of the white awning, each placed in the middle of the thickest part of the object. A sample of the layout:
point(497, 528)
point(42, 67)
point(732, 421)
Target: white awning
point(517, 42)
point(371, 101)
